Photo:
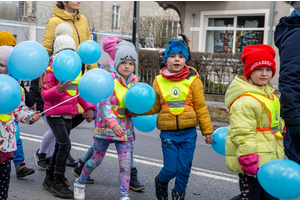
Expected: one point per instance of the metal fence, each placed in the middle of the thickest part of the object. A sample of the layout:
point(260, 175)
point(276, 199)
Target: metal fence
point(212, 82)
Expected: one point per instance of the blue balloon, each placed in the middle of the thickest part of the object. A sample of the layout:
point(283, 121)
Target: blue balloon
point(66, 65)
point(280, 178)
point(17, 131)
point(96, 85)
point(140, 98)
point(218, 143)
point(146, 123)
point(89, 52)
point(27, 61)
point(10, 93)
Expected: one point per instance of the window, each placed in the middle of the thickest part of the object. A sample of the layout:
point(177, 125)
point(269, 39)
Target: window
point(172, 29)
point(232, 34)
point(115, 17)
point(21, 8)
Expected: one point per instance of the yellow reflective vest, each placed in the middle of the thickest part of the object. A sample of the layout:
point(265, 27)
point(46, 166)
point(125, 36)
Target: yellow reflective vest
point(6, 117)
point(175, 94)
point(73, 88)
point(120, 91)
point(273, 107)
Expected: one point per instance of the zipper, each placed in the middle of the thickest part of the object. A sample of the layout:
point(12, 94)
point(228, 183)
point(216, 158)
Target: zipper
point(177, 122)
point(76, 28)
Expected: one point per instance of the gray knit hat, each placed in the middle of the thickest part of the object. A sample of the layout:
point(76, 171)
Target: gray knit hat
point(295, 4)
point(125, 51)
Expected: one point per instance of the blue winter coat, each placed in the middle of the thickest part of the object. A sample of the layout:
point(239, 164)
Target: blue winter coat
point(287, 40)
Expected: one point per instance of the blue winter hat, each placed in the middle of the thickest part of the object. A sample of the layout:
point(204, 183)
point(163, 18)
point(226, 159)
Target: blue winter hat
point(176, 47)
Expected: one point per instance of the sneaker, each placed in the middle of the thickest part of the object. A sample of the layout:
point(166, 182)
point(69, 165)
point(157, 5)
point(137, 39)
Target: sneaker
point(23, 171)
point(40, 160)
point(124, 198)
point(79, 193)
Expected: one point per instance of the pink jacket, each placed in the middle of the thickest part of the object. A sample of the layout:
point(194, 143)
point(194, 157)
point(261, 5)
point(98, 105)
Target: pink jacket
point(52, 97)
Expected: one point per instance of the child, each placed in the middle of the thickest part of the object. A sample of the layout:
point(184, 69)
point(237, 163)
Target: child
point(113, 124)
point(109, 46)
point(60, 118)
point(8, 129)
point(180, 105)
point(7, 39)
point(254, 114)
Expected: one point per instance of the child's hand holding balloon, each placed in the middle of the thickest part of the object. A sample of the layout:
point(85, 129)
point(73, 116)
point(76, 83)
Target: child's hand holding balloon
point(63, 86)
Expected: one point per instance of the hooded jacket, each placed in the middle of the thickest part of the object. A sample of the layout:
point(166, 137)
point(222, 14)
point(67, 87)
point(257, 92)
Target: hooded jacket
point(191, 117)
point(79, 24)
point(287, 40)
point(247, 113)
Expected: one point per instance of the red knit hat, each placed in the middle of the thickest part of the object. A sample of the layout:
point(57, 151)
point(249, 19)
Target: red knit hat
point(256, 56)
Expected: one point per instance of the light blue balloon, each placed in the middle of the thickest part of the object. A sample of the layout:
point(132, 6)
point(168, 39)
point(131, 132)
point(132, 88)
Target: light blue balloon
point(140, 98)
point(66, 65)
point(146, 123)
point(89, 52)
point(96, 85)
point(27, 61)
point(10, 93)
point(218, 143)
point(17, 131)
point(280, 178)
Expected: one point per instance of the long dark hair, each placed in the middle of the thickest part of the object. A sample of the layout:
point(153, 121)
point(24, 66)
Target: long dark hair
point(185, 39)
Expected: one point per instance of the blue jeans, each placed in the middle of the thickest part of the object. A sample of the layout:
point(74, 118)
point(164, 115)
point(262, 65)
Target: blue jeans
point(19, 154)
point(178, 149)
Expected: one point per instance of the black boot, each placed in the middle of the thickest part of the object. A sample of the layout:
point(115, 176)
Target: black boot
point(48, 180)
point(71, 162)
point(177, 195)
point(135, 185)
point(60, 186)
point(77, 171)
point(161, 190)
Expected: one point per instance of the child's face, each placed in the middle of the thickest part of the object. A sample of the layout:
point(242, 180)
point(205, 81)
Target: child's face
point(126, 68)
point(261, 76)
point(3, 69)
point(175, 63)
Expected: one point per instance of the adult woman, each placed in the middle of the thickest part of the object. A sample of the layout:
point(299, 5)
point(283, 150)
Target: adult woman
point(64, 11)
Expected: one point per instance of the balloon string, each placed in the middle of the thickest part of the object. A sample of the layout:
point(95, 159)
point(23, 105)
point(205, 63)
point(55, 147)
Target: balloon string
point(60, 103)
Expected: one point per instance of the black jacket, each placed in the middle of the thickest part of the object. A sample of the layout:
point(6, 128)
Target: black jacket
point(287, 40)
point(36, 94)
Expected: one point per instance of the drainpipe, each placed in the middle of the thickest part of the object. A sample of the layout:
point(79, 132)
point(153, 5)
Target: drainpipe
point(271, 23)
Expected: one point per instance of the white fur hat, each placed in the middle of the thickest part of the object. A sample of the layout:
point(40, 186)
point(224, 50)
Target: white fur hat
point(63, 38)
point(4, 53)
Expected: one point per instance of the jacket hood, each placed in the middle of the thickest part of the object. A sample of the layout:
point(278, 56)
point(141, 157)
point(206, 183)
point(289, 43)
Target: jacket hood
point(57, 12)
point(285, 24)
point(240, 86)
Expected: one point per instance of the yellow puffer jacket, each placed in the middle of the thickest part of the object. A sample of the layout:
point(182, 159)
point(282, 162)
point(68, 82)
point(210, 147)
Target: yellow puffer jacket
point(191, 117)
point(79, 24)
point(247, 113)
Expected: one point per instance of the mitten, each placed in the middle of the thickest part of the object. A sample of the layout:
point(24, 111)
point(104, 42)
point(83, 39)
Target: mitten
point(249, 163)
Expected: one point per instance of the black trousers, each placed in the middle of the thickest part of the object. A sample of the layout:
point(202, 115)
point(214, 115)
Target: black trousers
point(61, 129)
point(5, 169)
point(251, 189)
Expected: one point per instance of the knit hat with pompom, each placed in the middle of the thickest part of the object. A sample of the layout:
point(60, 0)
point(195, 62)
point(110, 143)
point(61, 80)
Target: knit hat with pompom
point(63, 38)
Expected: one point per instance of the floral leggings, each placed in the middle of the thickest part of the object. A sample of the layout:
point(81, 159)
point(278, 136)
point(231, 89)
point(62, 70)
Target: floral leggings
point(100, 148)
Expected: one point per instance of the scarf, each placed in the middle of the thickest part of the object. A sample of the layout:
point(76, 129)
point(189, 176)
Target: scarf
point(175, 76)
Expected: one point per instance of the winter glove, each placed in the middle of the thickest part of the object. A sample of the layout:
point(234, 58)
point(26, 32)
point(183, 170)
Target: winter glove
point(293, 130)
point(249, 163)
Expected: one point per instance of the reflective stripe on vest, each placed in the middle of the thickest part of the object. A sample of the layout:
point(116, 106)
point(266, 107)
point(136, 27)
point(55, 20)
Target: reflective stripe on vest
point(175, 94)
point(273, 106)
point(6, 117)
point(73, 88)
point(120, 91)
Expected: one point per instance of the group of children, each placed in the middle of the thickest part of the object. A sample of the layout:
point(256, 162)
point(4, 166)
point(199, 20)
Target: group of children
point(251, 139)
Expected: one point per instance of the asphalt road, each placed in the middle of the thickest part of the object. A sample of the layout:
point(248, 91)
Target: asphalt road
point(210, 179)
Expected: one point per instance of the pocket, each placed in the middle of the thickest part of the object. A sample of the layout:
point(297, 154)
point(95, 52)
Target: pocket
point(167, 143)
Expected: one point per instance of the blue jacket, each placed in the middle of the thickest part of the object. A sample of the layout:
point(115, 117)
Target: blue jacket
point(287, 40)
